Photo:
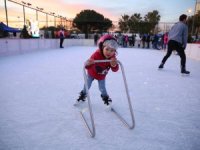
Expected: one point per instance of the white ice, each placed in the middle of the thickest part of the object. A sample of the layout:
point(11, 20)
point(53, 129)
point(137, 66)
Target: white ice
point(38, 90)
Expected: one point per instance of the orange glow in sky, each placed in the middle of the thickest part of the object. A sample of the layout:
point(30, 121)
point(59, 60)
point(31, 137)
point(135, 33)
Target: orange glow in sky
point(112, 9)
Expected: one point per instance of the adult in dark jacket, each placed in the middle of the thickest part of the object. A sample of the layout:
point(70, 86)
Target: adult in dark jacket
point(62, 37)
point(148, 40)
point(177, 41)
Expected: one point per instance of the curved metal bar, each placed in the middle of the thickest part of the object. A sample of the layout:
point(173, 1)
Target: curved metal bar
point(129, 101)
point(92, 130)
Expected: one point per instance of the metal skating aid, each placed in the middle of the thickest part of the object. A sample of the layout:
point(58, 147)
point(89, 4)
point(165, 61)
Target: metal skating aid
point(91, 129)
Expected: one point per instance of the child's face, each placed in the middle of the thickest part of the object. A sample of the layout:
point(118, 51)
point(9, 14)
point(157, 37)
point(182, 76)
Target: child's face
point(108, 52)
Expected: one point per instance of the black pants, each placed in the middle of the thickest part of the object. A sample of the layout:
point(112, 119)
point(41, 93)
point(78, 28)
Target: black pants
point(61, 42)
point(173, 45)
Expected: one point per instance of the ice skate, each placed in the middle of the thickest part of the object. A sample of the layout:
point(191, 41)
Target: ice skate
point(161, 66)
point(81, 98)
point(184, 72)
point(107, 101)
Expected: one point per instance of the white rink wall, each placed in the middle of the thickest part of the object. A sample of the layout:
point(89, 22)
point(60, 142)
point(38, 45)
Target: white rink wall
point(20, 46)
point(193, 51)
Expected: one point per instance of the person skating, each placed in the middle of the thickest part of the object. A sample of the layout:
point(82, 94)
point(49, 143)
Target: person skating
point(107, 50)
point(177, 41)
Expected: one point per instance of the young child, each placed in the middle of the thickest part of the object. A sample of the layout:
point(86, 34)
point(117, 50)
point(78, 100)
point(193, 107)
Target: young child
point(107, 51)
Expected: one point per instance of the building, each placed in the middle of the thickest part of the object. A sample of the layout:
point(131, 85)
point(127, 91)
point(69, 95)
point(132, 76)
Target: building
point(197, 6)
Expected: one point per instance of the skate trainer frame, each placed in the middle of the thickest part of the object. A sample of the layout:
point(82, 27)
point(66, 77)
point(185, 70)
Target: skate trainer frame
point(92, 130)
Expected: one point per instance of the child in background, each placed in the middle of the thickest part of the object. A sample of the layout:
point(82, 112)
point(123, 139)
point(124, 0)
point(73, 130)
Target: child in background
point(107, 51)
point(165, 41)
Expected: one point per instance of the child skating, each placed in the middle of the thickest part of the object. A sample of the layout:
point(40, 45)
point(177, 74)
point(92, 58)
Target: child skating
point(106, 51)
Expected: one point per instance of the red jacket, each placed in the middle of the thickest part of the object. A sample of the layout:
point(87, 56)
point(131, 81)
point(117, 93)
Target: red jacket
point(100, 70)
point(165, 39)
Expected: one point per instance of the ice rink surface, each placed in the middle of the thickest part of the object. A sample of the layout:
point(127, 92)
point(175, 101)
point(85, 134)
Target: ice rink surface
point(38, 90)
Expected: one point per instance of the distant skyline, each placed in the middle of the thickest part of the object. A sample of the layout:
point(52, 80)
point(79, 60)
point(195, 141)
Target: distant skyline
point(113, 9)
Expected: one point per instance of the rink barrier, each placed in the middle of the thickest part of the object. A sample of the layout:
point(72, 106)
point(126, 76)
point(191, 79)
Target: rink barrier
point(193, 51)
point(20, 46)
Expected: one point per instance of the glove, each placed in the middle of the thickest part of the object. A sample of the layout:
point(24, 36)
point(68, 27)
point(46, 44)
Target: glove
point(90, 62)
point(113, 63)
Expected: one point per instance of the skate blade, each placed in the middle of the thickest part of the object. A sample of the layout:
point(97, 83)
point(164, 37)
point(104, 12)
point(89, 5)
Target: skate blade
point(185, 75)
point(79, 103)
point(108, 107)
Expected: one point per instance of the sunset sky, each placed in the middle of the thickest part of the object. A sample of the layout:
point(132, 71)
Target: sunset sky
point(112, 9)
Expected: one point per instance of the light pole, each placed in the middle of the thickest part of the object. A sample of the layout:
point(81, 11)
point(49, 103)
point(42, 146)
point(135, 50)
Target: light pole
point(24, 15)
point(53, 14)
point(46, 19)
point(38, 9)
point(189, 12)
point(24, 12)
point(24, 4)
point(36, 15)
point(60, 19)
point(18, 21)
point(65, 23)
point(6, 12)
point(54, 20)
point(194, 17)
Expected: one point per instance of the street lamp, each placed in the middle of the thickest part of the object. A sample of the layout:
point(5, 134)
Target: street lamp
point(18, 21)
point(46, 19)
point(61, 20)
point(54, 21)
point(65, 23)
point(189, 12)
point(53, 14)
point(6, 12)
point(28, 5)
point(194, 16)
point(23, 2)
point(24, 14)
point(38, 9)
point(36, 15)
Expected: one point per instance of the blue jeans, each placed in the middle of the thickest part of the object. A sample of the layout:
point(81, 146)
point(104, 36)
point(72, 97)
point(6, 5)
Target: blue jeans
point(101, 83)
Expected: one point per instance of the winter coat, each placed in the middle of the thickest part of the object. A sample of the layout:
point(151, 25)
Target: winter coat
point(99, 70)
point(61, 34)
point(165, 39)
point(179, 33)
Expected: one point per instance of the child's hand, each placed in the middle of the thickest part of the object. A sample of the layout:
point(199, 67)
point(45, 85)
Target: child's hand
point(90, 62)
point(113, 62)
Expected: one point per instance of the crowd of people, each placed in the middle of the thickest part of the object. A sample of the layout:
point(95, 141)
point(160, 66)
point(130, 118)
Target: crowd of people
point(156, 41)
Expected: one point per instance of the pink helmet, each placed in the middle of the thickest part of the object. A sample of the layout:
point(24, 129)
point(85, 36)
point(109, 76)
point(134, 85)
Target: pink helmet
point(108, 40)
